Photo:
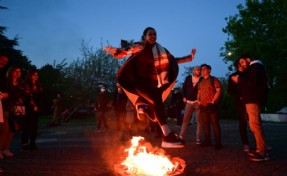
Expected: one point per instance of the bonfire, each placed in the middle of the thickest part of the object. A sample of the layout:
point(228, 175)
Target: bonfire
point(145, 160)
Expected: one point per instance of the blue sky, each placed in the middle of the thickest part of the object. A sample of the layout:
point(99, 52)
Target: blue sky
point(53, 29)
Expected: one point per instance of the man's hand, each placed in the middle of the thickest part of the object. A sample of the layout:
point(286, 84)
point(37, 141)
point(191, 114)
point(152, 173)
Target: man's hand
point(235, 78)
point(193, 51)
point(184, 99)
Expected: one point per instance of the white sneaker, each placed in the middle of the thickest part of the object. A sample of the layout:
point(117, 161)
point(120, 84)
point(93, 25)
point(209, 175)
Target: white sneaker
point(1, 155)
point(268, 148)
point(197, 141)
point(7, 153)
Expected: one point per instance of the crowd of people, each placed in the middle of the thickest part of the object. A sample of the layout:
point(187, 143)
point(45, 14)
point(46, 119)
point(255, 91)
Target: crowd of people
point(148, 76)
point(145, 81)
point(21, 102)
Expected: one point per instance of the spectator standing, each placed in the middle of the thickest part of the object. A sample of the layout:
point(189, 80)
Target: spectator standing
point(102, 104)
point(33, 103)
point(15, 105)
point(119, 104)
point(189, 91)
point(234, 90)
point(5, 134)
point(254, 88)
point(130, 114)
point(209, 91)
point(57, 110)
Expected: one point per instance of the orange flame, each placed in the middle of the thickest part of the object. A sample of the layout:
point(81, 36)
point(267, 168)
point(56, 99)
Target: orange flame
point(140, 162)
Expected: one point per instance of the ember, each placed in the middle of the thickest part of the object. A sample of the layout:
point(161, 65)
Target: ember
point(151, 161)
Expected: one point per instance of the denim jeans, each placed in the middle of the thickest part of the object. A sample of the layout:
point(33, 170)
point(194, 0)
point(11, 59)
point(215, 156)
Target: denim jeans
point(189, 109)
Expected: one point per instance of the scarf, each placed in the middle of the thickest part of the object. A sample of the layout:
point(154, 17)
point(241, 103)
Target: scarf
point(161, 64)
point(256, 62)
point(161, 61)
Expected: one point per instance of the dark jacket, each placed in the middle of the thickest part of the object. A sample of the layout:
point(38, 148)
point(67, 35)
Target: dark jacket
point(16, 95)
point(119, 101)
point(127, 77)
point(233, 88)
point(188, 91)
point(253, 84)
point(103, 101)
point(33, 97)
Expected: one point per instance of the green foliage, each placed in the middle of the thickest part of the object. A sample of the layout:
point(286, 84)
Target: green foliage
point(277, 98)
point(51, 79)
point(79, 81)
point(259, 29)
point(227, 104)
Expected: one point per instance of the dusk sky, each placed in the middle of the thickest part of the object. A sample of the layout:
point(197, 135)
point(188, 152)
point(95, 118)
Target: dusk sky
point(51, 30)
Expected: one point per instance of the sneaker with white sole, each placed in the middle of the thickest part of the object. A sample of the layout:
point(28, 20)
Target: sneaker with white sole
point(268, 148)
point(172, 141)
point(246, 148)
point(197, 141)
point(259, 157)
point(253, 153)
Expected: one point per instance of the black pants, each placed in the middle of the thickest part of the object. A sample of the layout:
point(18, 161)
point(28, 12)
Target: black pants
point(242, 117)
point(30, 127)
point(210, 117)
point(152, 95)
point(101, 116)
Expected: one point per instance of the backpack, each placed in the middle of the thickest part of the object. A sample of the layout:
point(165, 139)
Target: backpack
point(212, 82)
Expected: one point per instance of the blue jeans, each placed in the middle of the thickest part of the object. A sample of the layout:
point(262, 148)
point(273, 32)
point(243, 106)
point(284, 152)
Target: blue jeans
point(189, 109)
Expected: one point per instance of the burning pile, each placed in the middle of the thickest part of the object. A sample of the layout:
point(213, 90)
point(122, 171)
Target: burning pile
point(149, 161)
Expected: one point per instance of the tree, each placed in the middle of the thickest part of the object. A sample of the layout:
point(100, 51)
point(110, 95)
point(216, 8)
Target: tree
point(7, 47)
point(85, 75)
point(260, 30)
point(52, 80)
